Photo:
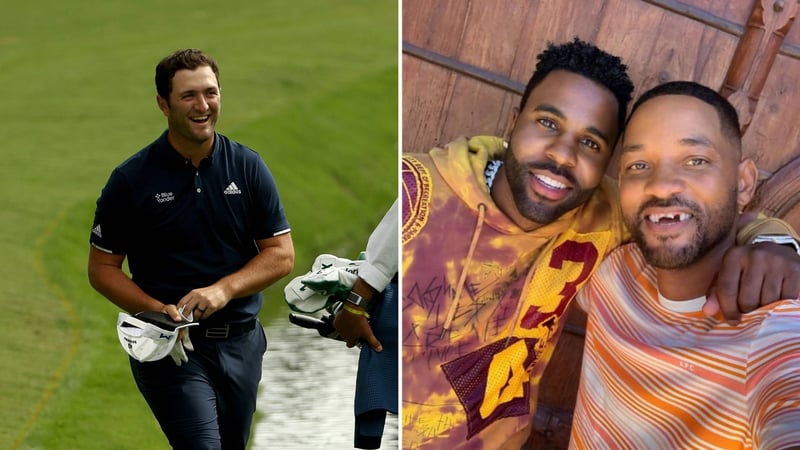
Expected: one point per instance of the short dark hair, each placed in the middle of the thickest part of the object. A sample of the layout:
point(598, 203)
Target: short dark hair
point(190, 59)
point(728, 118)
point(589, 61)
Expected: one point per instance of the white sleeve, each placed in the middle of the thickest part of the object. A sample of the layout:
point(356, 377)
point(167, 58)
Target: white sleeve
point(382, 251)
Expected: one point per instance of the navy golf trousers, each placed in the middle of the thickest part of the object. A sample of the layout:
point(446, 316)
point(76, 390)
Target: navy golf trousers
point(207, 403)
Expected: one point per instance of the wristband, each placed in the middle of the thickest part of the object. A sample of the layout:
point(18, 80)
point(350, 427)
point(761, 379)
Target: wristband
point(356, 300)
point(780, 239)
point(357, 312)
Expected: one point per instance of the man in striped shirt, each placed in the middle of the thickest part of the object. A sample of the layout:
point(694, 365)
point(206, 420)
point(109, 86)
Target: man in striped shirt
point(657, 373)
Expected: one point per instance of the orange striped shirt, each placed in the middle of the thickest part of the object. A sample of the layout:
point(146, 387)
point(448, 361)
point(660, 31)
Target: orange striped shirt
point(654, 378)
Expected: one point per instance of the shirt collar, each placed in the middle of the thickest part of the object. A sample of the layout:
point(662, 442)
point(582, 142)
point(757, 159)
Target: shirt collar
point(682, 306)
point(171, 156)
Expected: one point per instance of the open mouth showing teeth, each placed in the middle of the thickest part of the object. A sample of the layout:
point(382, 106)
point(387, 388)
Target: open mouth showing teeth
point(200, 119)
point(668, 218)
point(549, 182)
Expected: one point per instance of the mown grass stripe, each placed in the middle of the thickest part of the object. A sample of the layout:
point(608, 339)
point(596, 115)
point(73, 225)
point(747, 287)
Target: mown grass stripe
point(75, 341)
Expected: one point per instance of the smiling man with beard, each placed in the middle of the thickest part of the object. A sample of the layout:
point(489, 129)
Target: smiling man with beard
point(657, 373)
point(499, 234)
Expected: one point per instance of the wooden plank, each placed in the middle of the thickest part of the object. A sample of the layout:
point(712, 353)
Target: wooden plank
point(476, 105)
point(729, 17)
point(436, 26)
point(423, 114)
point(773, 138)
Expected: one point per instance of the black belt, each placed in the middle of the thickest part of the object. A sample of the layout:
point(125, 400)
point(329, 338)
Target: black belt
point(227, 330)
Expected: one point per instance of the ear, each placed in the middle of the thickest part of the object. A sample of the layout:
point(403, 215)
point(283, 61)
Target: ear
point(746, 186)
point(510, 123)
point(162, 105)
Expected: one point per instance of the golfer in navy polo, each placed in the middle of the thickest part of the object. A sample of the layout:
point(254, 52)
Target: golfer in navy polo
point(199, 219)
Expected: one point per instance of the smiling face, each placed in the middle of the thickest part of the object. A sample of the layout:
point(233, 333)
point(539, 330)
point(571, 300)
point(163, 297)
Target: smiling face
point(193, 107)
point(681, 181)
point(559, 148)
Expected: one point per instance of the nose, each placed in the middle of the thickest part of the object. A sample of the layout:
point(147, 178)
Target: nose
point(663, 182)
point(201, 103)
point(562, 151)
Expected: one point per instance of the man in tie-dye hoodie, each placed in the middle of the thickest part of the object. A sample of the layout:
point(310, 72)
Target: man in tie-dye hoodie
point(498, 236)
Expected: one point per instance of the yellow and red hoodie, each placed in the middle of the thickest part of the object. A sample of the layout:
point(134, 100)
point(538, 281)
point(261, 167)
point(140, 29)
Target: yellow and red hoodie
point(484, 300)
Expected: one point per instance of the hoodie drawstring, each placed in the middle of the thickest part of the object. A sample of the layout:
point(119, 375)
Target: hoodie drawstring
point(451, 313)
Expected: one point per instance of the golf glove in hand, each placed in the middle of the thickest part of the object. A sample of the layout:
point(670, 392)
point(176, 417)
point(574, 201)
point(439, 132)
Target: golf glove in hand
point(178, 352)
point(336, 281)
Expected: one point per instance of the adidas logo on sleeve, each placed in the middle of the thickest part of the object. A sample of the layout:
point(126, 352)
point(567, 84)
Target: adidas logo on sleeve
point(232, 189)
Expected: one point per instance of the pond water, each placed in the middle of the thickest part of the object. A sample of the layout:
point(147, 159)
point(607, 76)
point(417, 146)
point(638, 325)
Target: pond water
point(306, 395)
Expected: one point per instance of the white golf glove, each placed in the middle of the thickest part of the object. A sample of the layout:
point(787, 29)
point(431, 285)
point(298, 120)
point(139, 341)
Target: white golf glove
point(312, 292)
point(178, 352)
point(331, 280)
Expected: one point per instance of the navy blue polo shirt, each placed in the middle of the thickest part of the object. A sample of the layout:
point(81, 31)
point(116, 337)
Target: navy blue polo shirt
point(183, 227)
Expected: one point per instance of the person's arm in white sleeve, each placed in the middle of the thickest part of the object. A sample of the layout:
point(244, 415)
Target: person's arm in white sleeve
point(382, 252)
point(374, 274)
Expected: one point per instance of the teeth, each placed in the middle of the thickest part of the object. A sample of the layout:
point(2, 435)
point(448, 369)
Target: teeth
point(549, 182)
point(200, 119)
point(655, 218)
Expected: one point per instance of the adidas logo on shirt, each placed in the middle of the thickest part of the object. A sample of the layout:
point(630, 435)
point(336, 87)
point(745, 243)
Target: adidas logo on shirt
point(232, 189)
point(96, 231)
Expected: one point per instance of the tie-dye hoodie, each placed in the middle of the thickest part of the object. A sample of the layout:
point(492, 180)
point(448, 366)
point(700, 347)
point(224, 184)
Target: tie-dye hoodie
point(483, 300)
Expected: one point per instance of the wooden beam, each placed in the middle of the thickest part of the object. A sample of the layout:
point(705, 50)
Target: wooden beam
point(766, 29)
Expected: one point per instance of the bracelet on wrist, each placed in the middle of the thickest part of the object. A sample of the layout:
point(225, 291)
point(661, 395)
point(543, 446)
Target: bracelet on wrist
point(356, 300)
point(357, 312)
point(780, 239)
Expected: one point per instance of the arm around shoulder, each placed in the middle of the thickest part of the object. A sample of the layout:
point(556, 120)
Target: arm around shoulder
point(754, 274)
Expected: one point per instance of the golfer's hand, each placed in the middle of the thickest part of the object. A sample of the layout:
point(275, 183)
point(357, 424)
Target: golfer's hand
point(203, 302)
point(173, 312)
point(354, 328)
point(752, 276)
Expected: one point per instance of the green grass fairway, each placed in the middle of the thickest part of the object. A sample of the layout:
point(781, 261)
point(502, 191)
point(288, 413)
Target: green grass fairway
point(311, 85)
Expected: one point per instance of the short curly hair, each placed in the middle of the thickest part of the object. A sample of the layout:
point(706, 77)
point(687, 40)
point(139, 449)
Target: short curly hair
point(587, 60)
point(189, 59)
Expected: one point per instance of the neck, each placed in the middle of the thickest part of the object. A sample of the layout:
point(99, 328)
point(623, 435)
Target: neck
point(195, 151)
point(694, 280)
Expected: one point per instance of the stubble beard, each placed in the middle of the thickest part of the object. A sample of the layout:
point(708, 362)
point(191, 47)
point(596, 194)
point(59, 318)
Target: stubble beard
point(189, 133)
point(528, 204)
point(711, 229)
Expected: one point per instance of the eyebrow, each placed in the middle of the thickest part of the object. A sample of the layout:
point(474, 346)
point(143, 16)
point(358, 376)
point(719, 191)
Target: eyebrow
point(550, 109)
point(696, 141)
point(202, 89)
point(630, 148)
point(544, 107)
